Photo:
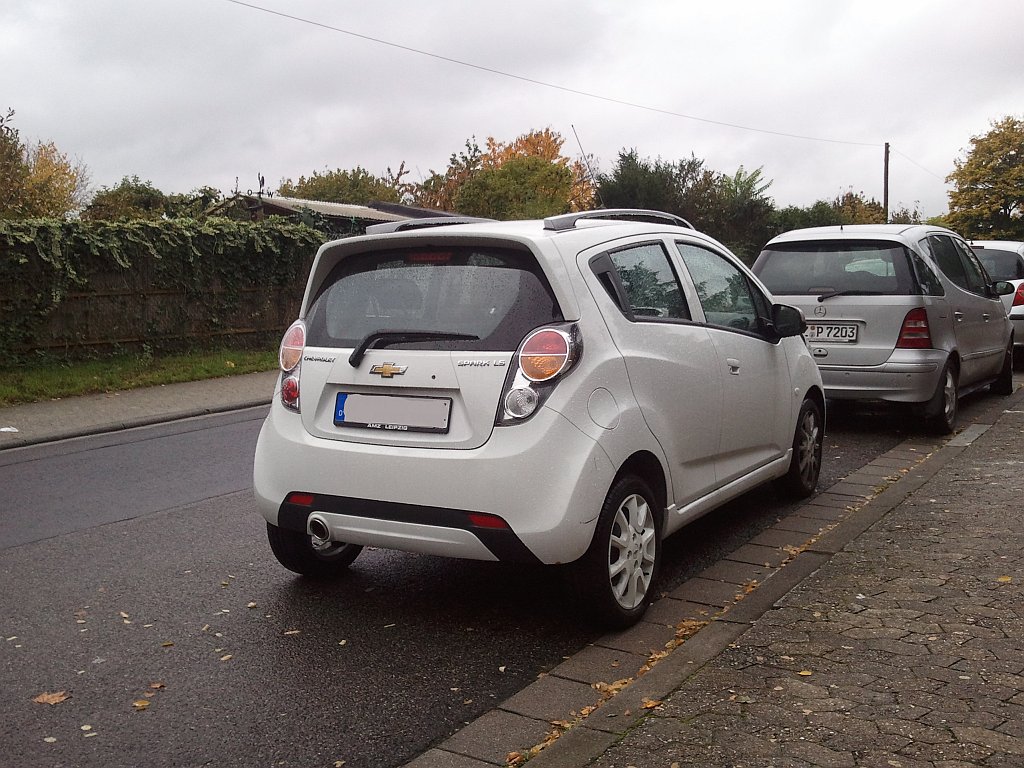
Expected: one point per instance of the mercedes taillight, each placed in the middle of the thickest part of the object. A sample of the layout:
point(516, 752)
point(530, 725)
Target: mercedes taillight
point(915, 333)
point(290, 358)
point(545, 356)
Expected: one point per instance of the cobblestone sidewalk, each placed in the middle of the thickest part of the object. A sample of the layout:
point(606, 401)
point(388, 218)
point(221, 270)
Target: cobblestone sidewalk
point(905, 650)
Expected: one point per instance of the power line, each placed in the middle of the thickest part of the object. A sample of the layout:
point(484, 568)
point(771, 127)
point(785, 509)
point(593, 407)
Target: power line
point(545, 84)
point(912, 160)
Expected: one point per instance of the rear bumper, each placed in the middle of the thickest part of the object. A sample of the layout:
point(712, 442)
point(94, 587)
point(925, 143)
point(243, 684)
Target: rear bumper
point(909, 376)
point(1018, 329)
point(544, 478)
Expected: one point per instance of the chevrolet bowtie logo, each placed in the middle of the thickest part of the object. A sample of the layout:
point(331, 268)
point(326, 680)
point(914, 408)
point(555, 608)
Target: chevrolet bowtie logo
point(388, 370)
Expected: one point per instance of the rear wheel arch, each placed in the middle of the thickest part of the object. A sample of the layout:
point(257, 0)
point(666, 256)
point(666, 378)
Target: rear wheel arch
point(647, 467)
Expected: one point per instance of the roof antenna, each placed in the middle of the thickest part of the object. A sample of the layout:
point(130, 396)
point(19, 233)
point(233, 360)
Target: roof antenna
point(597, 190)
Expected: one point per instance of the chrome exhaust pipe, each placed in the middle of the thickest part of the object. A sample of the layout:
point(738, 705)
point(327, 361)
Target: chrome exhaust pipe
point(319, 531)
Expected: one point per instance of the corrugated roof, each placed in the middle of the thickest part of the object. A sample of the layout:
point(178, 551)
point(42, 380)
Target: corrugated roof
point(334, 210)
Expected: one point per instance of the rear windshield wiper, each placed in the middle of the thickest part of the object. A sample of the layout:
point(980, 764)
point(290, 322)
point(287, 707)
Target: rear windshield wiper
point(387, 338)
point(852, 292)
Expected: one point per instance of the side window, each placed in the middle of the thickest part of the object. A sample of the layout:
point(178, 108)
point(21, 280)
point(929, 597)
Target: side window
point(651, 287)
point(723, 290)
point(946, 256)
point(977, 280)
point(926, 277)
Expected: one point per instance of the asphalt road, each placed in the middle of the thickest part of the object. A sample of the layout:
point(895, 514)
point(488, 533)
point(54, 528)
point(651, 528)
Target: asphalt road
point(137, 579)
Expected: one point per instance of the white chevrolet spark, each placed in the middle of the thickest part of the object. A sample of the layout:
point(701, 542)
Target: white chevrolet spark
point(565, 391)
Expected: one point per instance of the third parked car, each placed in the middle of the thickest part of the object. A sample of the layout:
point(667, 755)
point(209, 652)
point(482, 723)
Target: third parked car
point(902, 313)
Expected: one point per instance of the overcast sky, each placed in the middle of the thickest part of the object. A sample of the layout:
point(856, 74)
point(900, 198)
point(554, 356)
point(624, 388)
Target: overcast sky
point(187, 93)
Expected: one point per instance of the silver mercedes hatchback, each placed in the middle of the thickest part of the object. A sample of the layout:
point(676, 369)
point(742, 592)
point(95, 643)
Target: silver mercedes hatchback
point(901, 313)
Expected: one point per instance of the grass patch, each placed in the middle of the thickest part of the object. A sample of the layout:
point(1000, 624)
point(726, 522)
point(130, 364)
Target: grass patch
point(46, 381)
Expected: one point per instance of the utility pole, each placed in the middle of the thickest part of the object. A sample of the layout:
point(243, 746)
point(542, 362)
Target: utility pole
point(885, 183)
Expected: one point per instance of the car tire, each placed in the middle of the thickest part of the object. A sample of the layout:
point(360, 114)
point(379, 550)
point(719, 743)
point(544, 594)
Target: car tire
point(1003, 385)
point(941, 410)
point(296, 552)
point(616, 577)
point(805, 466)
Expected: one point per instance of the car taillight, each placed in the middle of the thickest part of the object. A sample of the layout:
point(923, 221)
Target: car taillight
point(1018, 297)
point(544, 354)
point(544, 357)
point(289, 356)
point(292, 344)
point(915, 333)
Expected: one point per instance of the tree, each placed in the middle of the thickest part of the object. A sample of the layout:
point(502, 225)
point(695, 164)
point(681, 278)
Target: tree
point(357, 186)
point(821, 214)
point(855, 208)
point(520, 188)
point(904, 215)
point(442, 191)
point(438, 191)
point(13, 170)
point(37, 180)
point(744, 212)
point(132, 198)
point(685, 188)
point(988, 198)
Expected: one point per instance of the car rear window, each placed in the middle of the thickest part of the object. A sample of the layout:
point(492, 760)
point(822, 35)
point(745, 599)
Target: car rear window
point(819, 267)
point(495, 294)
point(1001, 265)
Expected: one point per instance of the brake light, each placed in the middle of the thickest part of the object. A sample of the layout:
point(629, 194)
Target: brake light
point(292, 344)
point(1018, 297)
point(289, 356)
point(544, 354)
point(543, 358)
point(915, 333)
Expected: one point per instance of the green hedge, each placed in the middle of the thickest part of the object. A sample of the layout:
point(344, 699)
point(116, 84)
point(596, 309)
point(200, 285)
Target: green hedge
point(91, 287)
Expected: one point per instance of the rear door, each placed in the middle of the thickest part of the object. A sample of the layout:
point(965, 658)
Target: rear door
point(978, 318)
point(671, 361)
point(444, 322)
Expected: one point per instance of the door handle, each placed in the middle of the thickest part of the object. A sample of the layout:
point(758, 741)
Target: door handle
point(959, 316)
point(734, 365)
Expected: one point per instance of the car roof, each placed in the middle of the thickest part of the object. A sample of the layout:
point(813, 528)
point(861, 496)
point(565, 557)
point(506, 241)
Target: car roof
point(580, 230)
point(1006, 245)
point(901, 232)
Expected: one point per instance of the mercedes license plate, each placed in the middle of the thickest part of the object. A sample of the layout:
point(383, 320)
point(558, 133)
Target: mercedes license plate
point(392, 413)
point(843, 333)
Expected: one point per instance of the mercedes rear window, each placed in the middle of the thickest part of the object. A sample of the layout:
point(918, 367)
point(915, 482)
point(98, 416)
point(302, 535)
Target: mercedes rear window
point(497, 295)
point(817, 267)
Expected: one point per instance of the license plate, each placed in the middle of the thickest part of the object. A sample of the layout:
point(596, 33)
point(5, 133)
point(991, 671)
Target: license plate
point(842, 333)
point(392, 413)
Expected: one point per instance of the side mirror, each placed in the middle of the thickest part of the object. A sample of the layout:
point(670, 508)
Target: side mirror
point(787, 320)
point(1002, 288)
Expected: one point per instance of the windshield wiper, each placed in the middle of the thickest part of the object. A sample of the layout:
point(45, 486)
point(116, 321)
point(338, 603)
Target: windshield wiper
point(830, 294)
point(387, 338)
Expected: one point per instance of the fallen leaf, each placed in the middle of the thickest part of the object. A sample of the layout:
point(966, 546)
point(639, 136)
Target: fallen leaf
point(805, 672)
point(140, 703)
point(226, 657)
point(86, 727)
point(157, 686)
point(167, 644)
point(90, 734)
point(1005, 579)
point(49, 739)
point(501, 669)
point(123, 615)
point(651, 703)
point(292, 632)
point(52, 698)
point(250, 605)
point(343, 642)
